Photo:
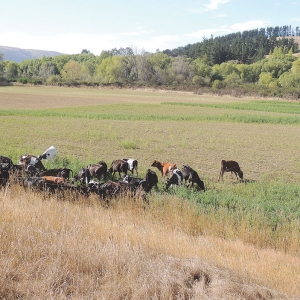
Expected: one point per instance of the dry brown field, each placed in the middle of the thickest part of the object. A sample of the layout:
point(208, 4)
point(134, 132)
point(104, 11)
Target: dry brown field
point(20, 97)
point(53, 249)
point(60, 250)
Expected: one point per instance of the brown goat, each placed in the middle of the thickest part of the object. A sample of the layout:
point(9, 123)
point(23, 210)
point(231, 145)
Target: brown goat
point(163, 167)
point(54, 179)
point(230, 166)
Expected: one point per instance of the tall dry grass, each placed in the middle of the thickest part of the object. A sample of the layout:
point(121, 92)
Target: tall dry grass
point(58, 249)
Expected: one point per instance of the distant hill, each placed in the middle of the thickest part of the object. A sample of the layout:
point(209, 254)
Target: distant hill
point(18, 55)
point(295, 38)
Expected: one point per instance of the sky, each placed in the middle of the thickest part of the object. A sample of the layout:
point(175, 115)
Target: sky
point(69, 26)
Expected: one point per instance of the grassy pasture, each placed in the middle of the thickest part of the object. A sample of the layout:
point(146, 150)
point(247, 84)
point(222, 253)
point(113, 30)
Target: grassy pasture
point(93, 124)
point(88, 125)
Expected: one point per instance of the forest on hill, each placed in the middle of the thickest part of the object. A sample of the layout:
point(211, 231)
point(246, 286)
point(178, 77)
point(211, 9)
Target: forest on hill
point(261, 62)
point(245, 47)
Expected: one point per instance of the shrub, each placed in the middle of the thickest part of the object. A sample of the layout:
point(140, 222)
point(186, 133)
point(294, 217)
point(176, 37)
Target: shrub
point(23, 80)
point(218, 84)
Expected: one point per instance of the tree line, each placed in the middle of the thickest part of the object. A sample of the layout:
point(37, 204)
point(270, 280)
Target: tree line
point(245, 47)
point(235, 64)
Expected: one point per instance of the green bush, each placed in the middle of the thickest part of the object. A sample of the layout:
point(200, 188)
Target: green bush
point(218, 84)
point(23, 80)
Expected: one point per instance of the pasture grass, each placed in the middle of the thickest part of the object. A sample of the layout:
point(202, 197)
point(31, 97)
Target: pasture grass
point(158, 113)
point(263, 150)
point(265, 214)
point(87, 126)
point(264, 106)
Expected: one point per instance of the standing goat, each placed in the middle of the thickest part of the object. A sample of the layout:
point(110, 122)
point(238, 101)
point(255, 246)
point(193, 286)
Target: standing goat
point(230, 166)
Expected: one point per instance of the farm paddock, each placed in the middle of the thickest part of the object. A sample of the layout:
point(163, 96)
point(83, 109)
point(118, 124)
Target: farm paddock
point(87, 125)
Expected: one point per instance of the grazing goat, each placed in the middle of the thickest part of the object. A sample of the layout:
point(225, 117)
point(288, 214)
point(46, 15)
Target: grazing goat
point(175, 179)
point(230, 166)
point(163, 167)
point(120, 166)
point(49, 154)
point(191, 176)
point(132, 165)
point(151, 179)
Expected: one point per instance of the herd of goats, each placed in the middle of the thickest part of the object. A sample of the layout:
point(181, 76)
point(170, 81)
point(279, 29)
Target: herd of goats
point(31, 174)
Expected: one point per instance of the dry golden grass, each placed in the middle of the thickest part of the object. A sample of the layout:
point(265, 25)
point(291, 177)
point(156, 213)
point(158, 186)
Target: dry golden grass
point(59, 249)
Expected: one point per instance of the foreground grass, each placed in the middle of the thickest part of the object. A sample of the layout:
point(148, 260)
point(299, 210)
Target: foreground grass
point(265, 214)
point(64, 249)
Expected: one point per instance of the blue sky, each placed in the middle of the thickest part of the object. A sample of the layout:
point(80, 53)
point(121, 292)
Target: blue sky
point(69, 26)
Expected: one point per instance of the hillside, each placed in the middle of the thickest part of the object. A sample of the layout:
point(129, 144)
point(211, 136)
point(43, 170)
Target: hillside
point(295, 38)
point(244, 47)
point(18, 54)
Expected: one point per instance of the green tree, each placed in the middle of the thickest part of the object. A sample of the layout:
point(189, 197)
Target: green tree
point(111, 69)
point(54, 80)
point(265, 79)
point(11, 71)
point(180, 70)
point(278, 62)
point(30, 68)
point(2, 68)
point(218, 84)
point(245, 47)
point(90, 67)
point(227, 69)
point(291, 78)
point(201, 67)
point(47, 69)
point(252, 72)
point(216, 73)
point(160, 60)
point(61, 60)
point(243, 71)
point(296, 66)
point(233, 79)
point(104, 54)
point(72, 71)
point(146, 72)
